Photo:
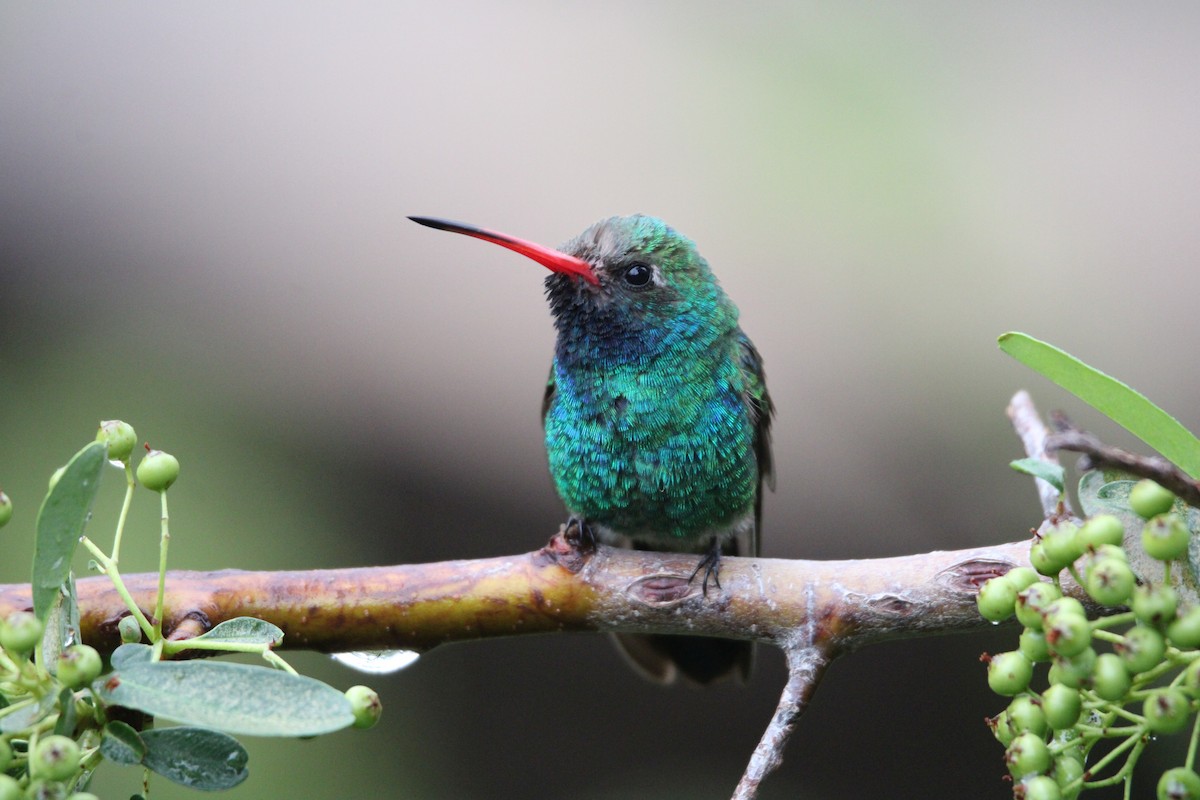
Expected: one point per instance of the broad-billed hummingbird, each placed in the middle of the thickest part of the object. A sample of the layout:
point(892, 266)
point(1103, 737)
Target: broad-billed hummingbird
point(656, 411)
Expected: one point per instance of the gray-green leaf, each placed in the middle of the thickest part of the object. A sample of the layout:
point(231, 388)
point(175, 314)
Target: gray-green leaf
point(61, 521)
point(196, 757)
point(243, 630)
point(1050, 472)
point(236, 698)
point(121, 744)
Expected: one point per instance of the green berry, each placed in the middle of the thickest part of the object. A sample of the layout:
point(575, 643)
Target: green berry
point(56, 758)
point(120, 438)
point(83, 796)
point(1165, 537)
point(1110, 679)
point(5, 509)
point(1154, 605)
point(1025, 715)
point(1068, 768)
point(1148, 499)
point(1067, 631)
point(1009, 673)
point(1061, 544)
point(1109, 581)
point(1101, 529)
point(21, 632)
point(1065, 604)
point(1075, 671)
point(1038, 787)
point(365, 704)
point(78, 666)
point(1032, 602)
point(1141, 649)
point(1001, 729)
point(1184, 632)
point(1179, 783)
point(158, 470)
point(1062, 706)
point(1033, 646)
point(10, 789)
point(1022, 577)
point(1027, 755)
point(997, 599)
point(129, 629)
point(1042, 562)
point(1166, 710)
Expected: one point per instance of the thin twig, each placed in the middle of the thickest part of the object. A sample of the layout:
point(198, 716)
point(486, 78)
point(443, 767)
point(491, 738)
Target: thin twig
point(1097, 454)
point(1033, 434)
point(806, 665)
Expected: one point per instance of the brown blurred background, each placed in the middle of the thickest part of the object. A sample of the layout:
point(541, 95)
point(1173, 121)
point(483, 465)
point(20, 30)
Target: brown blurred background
point(202, 232)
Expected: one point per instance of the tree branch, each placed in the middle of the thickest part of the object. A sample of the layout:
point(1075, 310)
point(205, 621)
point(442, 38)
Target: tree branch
point(840, 605)
point(1097, 454)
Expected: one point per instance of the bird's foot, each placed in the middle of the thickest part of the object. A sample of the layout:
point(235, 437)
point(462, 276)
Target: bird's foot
point(710, 562)
point(580, 535)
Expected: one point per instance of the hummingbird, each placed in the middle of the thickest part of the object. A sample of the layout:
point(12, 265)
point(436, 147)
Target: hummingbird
point(656, 412)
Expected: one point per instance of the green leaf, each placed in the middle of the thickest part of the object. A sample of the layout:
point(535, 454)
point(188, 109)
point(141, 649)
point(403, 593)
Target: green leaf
point(243, 630)
point(60, 523)
point(196, 757)
point(121, 744)
point(1125, 406)
point(67, 718)
point(21, 719)
point(130, 653)
point(1050, 472)
point(237, 698)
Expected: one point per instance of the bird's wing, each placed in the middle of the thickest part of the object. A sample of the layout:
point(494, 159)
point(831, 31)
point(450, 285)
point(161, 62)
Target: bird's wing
point(548, 396)
point(758, 401)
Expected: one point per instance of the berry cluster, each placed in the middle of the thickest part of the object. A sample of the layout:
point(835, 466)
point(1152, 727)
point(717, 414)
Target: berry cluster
point(1146, 680)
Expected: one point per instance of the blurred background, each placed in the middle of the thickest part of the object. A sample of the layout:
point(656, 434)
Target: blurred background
point(202, 232)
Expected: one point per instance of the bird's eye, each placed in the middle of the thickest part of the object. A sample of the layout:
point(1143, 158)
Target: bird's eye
point(638, 274)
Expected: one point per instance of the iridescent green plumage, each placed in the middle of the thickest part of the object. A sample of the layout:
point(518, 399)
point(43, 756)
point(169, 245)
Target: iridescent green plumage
point(656, 412)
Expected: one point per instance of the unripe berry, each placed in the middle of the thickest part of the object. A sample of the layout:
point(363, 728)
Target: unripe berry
point(1032, 602)
point(6, 509)
point(1065, 604)
point(1179, 783)
point(1109, 581)
point(1154, 604)
point(1027, 755)
point(1166, 710)
point(1141, 649)
point(1075, 671)
point(1037, 787)
point(10, 789)
point(1061, 544)
point(129, 629)
point(1147, 499)
point(1033, 646)
point(1068, 767)
point(1110, 679)
point(56, 758)
point(120, 438)
point(365, 704)
point(1184, 632)
point(1026, 716)
point(1001, 729)
point(997, 599)
point(1062, 706)
point(1009, 673)
point(78, 666)
point(1021, 577)
point(158, 470)
point(1067, 631)
point(1042, 562)
point(1101, 529)
point(1165, 537)
point(83, 796)
point(21, 632)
